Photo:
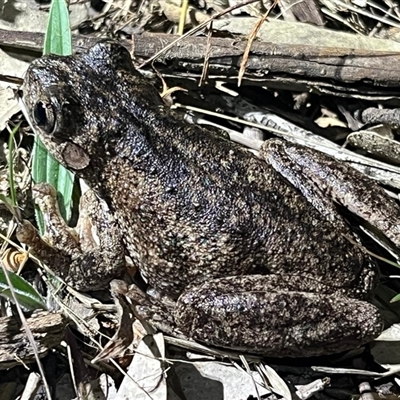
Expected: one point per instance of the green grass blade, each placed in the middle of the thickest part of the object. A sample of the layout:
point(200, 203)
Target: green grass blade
point(395, 298)
point(27, 296)
point(45, 168)
point(58, 34)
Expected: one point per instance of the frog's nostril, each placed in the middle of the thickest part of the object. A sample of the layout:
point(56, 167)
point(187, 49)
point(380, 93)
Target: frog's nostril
point(44, 116)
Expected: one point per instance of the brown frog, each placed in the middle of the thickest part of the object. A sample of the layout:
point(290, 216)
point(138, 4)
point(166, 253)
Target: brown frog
point(237, 255)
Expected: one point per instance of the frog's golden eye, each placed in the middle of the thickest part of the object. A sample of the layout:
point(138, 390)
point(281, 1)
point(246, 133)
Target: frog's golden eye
point(44, 116)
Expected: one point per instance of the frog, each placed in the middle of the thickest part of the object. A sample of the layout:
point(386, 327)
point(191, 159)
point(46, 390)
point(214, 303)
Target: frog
point(240, 251)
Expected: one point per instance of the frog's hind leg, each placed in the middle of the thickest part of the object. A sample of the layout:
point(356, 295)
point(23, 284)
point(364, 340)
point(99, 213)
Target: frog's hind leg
point(322, 180)
point(271, 315)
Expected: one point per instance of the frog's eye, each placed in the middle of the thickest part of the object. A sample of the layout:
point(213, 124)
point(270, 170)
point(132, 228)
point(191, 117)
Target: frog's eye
point(44, 116)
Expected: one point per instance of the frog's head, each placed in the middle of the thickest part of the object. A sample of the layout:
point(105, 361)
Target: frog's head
point(76, 103)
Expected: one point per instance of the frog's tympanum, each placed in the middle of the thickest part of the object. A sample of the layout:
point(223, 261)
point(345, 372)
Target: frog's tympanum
point(240, 251)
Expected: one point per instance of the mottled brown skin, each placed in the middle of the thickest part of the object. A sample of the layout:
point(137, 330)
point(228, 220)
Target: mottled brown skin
point(192, 207)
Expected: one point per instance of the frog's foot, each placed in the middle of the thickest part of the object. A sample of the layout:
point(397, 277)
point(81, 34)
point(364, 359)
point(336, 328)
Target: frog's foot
point(321, 178)
point(258, 314)
point(87, 258)
point(155, 309)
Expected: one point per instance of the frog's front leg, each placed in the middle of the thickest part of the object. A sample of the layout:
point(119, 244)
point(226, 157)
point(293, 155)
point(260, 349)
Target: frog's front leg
point(271, 315)
point(87, 257)
point(322, 179)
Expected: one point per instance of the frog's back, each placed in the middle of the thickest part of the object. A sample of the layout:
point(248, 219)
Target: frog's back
point(199, 206)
